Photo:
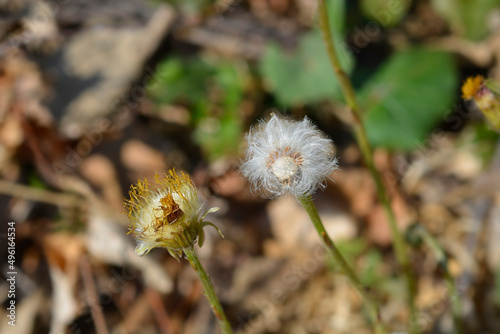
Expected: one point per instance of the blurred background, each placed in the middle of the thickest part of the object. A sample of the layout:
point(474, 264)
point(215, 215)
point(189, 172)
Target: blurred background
point(95, 95)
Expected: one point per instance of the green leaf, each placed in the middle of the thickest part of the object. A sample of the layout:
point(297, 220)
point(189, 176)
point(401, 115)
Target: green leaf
point(211, 210)
point(213, 225)
point(386, 12)
point(407, 97)
point(468, 18)
point(220, 134)
point(201, 238)
point(182, 82)
point(306, 75)
point(369, 273)
point(212, 90)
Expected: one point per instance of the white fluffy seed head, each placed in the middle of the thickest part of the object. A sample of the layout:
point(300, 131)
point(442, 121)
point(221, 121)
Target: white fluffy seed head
point(286, 156)
point(284, 168)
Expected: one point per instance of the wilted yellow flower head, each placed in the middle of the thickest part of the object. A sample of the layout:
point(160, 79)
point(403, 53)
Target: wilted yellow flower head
point(166, 215)
point(484, 93)
point(472, 86)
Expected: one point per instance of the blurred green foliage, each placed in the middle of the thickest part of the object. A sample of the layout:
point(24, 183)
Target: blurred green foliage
point(369, 265)
point(406, 98)
point(483, 138)
point(190, 6)
point(387, 13)
point(35, 181)
point(305, 76)
point(469, 18)
point(408, 95)
point(212, 90)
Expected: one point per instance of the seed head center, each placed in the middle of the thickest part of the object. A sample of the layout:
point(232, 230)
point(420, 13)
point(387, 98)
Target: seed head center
point(284, 168)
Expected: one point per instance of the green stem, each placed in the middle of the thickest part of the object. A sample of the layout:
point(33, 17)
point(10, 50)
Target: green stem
point(371, 304)
point(209, 290)
point(367, 152)
point(433, 244)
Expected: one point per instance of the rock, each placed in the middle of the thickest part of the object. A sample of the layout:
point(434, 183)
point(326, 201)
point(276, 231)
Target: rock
point(94, 71)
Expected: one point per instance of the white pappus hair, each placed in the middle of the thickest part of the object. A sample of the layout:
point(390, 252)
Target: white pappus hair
point(286, 156)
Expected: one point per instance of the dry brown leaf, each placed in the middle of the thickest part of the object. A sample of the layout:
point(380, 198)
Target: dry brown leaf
point(142, 159)
point(107, 241)
point(63, 251)
point(100, 171)
point(378, 225)
point(359, 188)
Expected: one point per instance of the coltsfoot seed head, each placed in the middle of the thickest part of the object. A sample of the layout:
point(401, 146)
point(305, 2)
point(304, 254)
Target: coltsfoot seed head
point(287, 156)
point(166, 215)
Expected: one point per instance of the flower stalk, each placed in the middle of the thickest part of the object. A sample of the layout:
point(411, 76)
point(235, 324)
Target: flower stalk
point(209, 290)
point(442, 259)
point(373, 308)
point(400, 247)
